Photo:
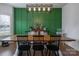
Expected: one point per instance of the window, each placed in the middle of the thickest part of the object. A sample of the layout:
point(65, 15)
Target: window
point(4, 25)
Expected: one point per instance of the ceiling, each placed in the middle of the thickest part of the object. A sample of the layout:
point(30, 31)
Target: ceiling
point(23, 5)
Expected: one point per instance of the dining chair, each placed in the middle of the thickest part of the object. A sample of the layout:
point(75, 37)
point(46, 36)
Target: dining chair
point(38, 44)
point(24, 45)
point(53, 46)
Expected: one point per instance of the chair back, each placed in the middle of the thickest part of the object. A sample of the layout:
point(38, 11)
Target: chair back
point(55, 42)
point(38, 42)
point(23, 43)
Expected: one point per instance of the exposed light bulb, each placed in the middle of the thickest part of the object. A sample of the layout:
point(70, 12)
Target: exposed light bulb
point(39, 9)
point(34, 9)
point(48, 9)
point(44, 9)
point(29, 9)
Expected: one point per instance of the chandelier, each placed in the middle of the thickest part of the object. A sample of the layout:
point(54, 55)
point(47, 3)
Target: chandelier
point(39, 7)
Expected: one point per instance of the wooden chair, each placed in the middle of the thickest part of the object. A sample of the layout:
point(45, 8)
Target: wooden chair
point(38, 44)
point(53, 46)
point(24, 45)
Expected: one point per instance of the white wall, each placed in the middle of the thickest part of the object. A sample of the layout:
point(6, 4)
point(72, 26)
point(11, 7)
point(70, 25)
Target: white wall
point(70, 23)
point(6, 9)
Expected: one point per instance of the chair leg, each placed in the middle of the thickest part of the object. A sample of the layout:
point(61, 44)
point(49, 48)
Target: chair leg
point(29, 52)
point(34, 53)
point(54, 53)
point(49, 53)
point(42, 52)
point(20, 53)
point(46, 52)
point(57, 53)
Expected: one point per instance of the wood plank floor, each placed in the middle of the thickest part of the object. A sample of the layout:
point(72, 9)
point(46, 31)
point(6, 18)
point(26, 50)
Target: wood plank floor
point(68, 51)
point(8, 51)
point(38, 53)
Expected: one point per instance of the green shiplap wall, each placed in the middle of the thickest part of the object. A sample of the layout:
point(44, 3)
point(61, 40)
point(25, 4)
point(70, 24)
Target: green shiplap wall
point(23, 20)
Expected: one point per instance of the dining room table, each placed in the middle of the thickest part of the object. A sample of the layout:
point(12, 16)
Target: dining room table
point(46, 38)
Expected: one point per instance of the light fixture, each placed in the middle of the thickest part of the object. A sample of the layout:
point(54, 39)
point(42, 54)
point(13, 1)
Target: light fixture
point(29, 9)
point(34, 8)
point(39, 9)
point(44, 8)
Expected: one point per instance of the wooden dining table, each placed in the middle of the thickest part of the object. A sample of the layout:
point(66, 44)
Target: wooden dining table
point(46, 38)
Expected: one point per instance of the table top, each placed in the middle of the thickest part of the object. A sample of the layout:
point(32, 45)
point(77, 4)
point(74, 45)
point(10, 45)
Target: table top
point(31, 38)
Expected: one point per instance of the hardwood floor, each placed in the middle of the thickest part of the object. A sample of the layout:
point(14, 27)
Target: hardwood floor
point(68, 51)
point(37, 53)
point(8, 51)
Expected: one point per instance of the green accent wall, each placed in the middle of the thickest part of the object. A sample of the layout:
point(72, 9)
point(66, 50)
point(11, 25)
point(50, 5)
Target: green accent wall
point(24, 19)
